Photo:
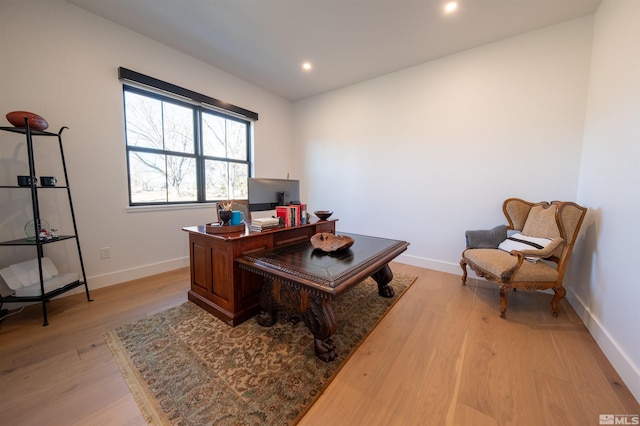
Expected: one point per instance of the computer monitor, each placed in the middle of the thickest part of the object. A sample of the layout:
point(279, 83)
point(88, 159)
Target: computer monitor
point(266, 194)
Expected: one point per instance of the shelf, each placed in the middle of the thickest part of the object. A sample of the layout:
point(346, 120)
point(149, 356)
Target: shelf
point(53, 293)
point(37, 187)
point(38, 244)
point(23, 131)
point(28, 242)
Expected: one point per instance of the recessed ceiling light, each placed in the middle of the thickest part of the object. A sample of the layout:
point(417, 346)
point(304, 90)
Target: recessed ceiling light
point(307, 66)
point(451, 6)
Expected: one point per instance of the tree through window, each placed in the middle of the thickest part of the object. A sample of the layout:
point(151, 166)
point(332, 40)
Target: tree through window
point(178, 152)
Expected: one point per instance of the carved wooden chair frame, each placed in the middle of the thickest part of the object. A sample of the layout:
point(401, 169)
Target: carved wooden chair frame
point(568, 219)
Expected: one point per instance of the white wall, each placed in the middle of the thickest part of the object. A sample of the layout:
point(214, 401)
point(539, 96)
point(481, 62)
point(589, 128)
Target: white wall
point(61, 62)
point(605, 289)
point(422, 154)
point(426, 153)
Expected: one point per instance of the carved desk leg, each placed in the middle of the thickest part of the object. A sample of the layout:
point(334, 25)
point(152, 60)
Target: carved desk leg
point(269, 307)
point(383, 277)
point(315, 311)
point(320, 320)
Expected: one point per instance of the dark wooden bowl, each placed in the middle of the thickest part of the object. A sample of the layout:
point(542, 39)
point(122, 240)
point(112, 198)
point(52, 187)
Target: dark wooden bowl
point(331, 243)
point(323, 214)
point(36, 122)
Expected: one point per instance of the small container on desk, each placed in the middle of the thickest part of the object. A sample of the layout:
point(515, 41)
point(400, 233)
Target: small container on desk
point(219, 228)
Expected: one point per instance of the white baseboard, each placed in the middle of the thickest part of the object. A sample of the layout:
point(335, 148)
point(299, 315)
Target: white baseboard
point(117, 277)
point(624, 366)
point(112, 278)
point(436, 265)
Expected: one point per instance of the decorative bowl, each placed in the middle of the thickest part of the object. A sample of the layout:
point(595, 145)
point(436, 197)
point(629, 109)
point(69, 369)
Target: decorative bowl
point(330, 243)
point(30, 229)
point(36, 122)
point(323, 214)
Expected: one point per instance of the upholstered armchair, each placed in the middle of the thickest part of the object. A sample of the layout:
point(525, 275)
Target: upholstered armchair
point(530, 253)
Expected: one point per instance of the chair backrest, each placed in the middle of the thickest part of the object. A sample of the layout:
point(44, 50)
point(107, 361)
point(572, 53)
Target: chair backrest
point(549, 220)
point(516, 212)
point(570, 218)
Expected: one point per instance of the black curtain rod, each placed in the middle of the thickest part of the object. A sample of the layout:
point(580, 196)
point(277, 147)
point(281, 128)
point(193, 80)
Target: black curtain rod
point(127, 74)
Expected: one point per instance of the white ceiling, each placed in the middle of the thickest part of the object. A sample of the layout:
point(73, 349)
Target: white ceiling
point(348, 41)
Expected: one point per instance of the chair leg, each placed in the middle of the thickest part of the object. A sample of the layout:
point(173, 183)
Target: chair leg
point(560, 292)
point(463, 265)
point(504, 293)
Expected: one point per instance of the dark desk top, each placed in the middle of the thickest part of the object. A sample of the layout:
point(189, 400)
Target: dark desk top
point(300, 264)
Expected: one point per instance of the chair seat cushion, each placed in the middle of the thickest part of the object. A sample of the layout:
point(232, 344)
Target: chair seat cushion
point(502, 264)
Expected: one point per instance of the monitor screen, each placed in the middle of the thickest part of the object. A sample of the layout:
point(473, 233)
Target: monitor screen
point(266, 194)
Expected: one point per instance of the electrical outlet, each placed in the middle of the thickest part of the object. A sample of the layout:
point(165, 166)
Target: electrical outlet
point(105, 252)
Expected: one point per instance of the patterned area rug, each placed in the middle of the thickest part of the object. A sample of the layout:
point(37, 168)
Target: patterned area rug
point(185, 367)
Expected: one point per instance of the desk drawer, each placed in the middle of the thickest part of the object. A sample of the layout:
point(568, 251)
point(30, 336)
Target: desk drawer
point(293, 235)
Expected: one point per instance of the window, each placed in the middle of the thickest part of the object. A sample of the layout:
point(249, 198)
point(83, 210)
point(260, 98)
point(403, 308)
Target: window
point(178, 152)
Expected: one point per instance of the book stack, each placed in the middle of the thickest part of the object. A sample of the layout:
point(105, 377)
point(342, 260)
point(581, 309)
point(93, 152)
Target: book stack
point(264, 223)
point(290, 215)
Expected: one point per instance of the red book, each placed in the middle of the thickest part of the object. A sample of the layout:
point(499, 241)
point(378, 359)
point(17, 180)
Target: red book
point(284, 213)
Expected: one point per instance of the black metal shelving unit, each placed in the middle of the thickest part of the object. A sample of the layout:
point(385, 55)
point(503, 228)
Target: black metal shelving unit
point(39, 244)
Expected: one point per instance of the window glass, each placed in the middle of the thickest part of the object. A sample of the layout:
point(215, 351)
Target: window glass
point(213, 135)
point(182, 180)
point(236, 140)
point(217, 179)
point(147, 176)
point(183, 153)
point(143, 121)
point(178, 128)
point(226, 178)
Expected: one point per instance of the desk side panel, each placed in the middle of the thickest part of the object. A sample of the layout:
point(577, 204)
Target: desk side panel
point(200, 264)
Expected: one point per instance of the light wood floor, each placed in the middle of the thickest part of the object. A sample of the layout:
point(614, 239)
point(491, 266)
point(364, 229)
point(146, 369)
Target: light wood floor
point(442, 356)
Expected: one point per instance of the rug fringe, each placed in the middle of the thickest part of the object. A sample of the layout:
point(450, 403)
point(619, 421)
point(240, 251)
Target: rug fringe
point(141, 394)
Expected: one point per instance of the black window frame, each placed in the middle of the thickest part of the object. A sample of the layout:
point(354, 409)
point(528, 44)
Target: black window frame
point(231, 113)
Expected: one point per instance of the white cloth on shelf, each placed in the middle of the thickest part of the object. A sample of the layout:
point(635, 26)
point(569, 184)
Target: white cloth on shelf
point(10, 278)
point(49, 285)
point(25, 274)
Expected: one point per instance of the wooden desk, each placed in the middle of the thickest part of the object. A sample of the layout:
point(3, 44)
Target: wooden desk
point(302, 281)
point(218, 285)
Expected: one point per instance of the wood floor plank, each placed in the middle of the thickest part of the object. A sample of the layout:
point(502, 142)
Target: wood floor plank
point(500, 364)
point(442, 355)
